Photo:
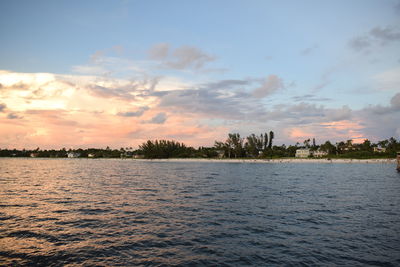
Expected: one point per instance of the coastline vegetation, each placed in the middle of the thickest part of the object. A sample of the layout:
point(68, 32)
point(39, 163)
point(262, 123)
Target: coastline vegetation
point(235, 146)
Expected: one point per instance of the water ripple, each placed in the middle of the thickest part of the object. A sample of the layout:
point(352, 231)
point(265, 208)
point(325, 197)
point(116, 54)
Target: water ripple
point(57, 212)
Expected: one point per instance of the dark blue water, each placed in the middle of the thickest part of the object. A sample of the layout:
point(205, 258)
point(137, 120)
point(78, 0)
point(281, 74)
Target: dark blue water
point(126, 213)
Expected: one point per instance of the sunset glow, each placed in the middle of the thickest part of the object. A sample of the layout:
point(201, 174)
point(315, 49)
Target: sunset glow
point(119, 88)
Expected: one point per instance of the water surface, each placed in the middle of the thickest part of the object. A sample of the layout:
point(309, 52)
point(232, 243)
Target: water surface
point(57, 212)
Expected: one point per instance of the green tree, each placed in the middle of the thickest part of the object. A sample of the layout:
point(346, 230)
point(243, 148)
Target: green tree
point(307, 143)
point(366, 145)
point(383, 143)
point(165, 149)
point(235, 143)
point(271, 137)
point(265, 141)
point(328, 147)
point(255, 144)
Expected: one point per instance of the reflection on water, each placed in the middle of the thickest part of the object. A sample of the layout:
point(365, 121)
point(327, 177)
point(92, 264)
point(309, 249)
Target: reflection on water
point(121, 212)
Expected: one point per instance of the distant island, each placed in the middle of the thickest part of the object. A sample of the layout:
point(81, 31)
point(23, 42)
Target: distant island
point(236, 147)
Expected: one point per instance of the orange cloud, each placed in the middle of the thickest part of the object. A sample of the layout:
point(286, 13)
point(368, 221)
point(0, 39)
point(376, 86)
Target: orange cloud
point(57, 111)
point(346, 130)
point(296, 133)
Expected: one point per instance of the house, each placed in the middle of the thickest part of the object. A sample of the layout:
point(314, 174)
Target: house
point(137, 156)
point(34, 155)
point(126, 154)
point(303, 153)
point(320, 153)
point(379, 149)
point(73, 155)
point(91, 155)
point(220, 153)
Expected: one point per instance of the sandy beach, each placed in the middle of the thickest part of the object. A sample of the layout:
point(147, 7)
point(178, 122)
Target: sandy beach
point(289, 160)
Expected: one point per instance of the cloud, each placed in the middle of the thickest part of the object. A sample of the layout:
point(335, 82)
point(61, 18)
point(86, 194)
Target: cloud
point(189, 57)
point(376, 36)
point(386, 34)
point(211, 103)
point(309, 50)
point(90, 70)
point(395, 101)
point(184, 57)
point(160, 118)
point(340, 114)
point(321, 85)
point(397, 7)
point(2, 107)
point(310, 97)
point(110, 92)
point(13, 116)
point(269, 86)
point(105, 65)
point(304, 113)
point(374, 122)
point(136, 113)
point(76, 109)
point(389, 79)
point(227, 84)
point(21, 86)
point(381, 122)
point(217, 99)
point(159, 51)
point(127, 90)
point(360, 43)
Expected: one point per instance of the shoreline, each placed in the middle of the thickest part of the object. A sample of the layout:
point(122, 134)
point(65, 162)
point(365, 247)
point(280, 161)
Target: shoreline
point(291, 160)
point(213, 160)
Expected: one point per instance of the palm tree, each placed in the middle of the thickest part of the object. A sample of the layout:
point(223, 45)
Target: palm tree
point(307, 143)
point(271, 136)
point(265, 141)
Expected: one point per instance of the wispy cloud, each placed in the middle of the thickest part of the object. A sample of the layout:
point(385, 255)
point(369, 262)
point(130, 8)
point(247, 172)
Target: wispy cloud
point(159, 118)
point(136, 113)
point(360, 43)
point(388, 80)
point(387, 34)
point(310, 98)
point(376, 36)
point(270, 85)
point(395, 101)
point(309, 50)
point(159, 51)
point(13, 116)
point(180, 58)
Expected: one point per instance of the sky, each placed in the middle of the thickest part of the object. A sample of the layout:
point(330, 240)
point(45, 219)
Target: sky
point(117, 73)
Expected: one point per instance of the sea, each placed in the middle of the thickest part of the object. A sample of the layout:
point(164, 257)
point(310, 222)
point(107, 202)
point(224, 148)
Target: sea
point(106, 212)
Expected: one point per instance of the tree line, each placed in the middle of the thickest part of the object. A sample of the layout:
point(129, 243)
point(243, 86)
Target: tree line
point(235, 146)
point(63, 153)
point(254, 146)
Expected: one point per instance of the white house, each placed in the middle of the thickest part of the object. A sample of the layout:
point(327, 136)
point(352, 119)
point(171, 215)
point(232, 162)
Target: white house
point(320, 153)
point(73, 155)
point(303, 153)
point(380, 149)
